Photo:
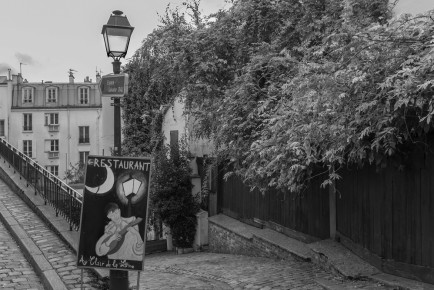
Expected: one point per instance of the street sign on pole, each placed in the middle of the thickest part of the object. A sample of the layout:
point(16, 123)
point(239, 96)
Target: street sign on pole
point(114, 85)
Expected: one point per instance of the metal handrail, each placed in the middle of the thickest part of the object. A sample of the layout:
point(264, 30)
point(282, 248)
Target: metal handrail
point(65, 200)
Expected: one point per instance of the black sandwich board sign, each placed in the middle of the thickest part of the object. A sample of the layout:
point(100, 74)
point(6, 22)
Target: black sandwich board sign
point(114, 213)
point(114, 85)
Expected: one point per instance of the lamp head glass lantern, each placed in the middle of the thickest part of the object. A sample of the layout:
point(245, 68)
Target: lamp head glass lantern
point(117, 33)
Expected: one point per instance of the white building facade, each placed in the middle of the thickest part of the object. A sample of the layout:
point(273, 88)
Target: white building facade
point(56, 124)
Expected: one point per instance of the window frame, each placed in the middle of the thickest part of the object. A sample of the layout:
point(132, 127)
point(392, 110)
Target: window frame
point(82, 156)
point(28, 148)
point(53, 169)
point(2, 128)
point(83, 95)
point(27, 95)
point(51, 98)
point(83, 137)
point(27, 118)
point(49, 118)
point(54, 143)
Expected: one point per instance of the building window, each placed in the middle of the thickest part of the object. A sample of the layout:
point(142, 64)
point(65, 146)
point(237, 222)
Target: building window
point(83, 96)
point(27, 95)
point(54, 145)
point(51, 95)
point(53, 169)
point(27, 148)
point(83, 157)
point(27, 124)
point(52, 148)
point(2, 128)
point(83, 134)
point(51, 119)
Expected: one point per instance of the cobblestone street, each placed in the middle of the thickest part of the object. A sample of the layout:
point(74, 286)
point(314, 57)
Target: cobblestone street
point(15, 271)
point(219, 271)
point(56, 251)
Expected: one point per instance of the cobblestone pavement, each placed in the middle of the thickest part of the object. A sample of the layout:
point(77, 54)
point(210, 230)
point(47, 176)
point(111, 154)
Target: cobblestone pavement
point(219, 271)
point(15, 271)
point(55, 250)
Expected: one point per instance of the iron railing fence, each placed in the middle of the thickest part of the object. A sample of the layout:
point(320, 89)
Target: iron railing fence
point(65, 200)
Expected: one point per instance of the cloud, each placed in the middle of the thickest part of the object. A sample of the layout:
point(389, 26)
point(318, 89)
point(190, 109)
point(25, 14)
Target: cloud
point(25, 58)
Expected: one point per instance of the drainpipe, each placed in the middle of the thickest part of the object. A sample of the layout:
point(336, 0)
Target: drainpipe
point(68, 161)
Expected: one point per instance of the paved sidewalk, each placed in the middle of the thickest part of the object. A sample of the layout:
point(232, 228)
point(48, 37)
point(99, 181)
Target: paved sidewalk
point(51, 256)
point(15, 270)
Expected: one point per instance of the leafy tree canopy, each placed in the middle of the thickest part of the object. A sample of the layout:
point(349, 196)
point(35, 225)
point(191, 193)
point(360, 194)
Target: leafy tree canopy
point(284, 85)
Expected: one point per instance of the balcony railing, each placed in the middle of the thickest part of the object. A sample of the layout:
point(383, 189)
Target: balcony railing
point(53, 155)
point(66, 201)
point(84, 140)
point(53, 128)
point(27, 128)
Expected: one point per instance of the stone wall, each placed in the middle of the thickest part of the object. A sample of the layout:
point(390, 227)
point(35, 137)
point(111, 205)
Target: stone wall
point(224, 240)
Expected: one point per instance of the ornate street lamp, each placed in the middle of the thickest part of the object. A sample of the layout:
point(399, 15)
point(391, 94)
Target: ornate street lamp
point(117, 34)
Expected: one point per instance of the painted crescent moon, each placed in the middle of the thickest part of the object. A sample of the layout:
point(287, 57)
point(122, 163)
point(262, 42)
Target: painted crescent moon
point(106, 186)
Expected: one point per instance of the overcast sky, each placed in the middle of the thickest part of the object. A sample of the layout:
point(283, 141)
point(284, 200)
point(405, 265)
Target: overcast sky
point(414, 6)
point(52, 36)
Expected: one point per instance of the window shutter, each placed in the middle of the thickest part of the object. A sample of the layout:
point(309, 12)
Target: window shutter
point(47, 145)
point(33, 149)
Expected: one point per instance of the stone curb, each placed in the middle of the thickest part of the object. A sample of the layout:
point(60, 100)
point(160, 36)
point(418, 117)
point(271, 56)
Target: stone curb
point(50, 279)
point(294, 247)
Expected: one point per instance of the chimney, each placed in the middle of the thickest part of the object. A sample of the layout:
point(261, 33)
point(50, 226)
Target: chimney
point(98, 77)
point(71, 77)
point(86, 80)
point(20, 78)
point(9, 75)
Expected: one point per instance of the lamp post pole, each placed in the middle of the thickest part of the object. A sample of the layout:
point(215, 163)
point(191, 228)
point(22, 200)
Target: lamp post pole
point(118, 278)
point(117, 115)
point(117, 33)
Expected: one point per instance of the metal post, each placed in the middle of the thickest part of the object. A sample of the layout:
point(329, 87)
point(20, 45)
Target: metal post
point(118, 278)
point(117, 127)
point(332, 208)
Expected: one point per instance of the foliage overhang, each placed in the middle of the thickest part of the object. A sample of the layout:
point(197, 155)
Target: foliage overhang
point(283, 85)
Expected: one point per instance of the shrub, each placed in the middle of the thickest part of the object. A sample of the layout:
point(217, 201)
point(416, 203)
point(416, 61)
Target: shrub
point(171, 195)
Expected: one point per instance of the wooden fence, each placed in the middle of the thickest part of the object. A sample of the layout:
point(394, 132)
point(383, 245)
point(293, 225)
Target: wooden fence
point(391, 213)
point(307, 212)
point(386, 216)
